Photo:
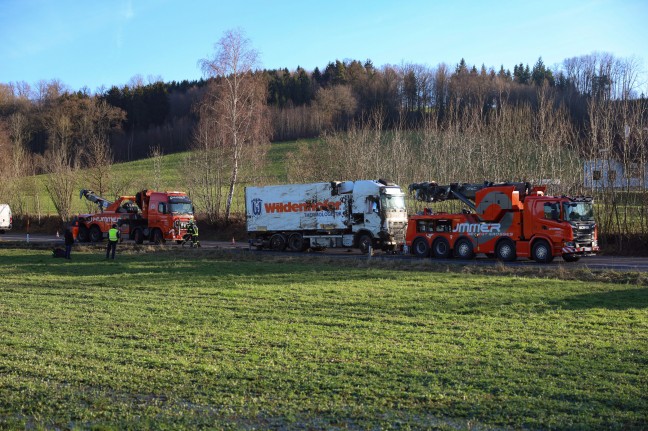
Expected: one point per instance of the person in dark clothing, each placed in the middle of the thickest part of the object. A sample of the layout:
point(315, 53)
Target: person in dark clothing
point(113, 237)
point(192, 229)
point(69, 241)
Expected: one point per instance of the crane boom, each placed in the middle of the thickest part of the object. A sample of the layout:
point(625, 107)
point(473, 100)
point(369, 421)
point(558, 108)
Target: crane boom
point(465, 192)
point(93, 197)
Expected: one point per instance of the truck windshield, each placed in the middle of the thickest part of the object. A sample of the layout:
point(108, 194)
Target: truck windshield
point(392, 202)
point(180, 206)
point(578, 211)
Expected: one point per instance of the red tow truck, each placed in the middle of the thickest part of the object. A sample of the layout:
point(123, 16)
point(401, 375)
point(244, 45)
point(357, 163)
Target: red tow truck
point(503, 220)
point(156, 216)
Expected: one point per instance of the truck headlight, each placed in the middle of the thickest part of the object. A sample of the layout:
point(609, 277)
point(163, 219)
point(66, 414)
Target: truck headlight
point(570, 244)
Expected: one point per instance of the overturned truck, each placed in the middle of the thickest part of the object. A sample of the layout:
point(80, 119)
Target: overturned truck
point(353, 214)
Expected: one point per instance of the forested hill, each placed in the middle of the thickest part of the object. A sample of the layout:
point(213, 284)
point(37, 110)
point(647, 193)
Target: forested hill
point(139, 117)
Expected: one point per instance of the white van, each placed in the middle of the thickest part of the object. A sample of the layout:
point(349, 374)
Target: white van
point(5, 218)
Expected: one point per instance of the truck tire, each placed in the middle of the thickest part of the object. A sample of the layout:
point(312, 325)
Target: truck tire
point(296, 242)
point(83, 235)
point(421, 248)
point(157, 237)
point(95, 234)
point(464, 249)
point(570, 257)
point(278, 242)
point(138, 236)
point(541, 251)
point(364, 242)
point(505, 250)
point(441, 248)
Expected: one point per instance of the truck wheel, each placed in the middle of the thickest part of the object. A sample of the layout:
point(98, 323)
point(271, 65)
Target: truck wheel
point(83, 236)
point(296, 242)
point(441, 248)
point(157, 237)
point(570, 257)
point(95, 234)
point(364, 242)
point(463, 249)
point(505, 250)
point(138, 236)
point(278, 242)
point(541, 252)
point(421, 248)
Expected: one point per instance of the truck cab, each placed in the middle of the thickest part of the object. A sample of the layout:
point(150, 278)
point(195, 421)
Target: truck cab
point(379, 214)
point(166, 216)
point(567, 224)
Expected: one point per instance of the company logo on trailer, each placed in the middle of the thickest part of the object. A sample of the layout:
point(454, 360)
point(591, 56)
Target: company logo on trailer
point(256, 206)
point(295, 207)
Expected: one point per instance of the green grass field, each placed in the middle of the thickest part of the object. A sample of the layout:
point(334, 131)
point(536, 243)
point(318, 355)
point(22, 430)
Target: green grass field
point(172, 340)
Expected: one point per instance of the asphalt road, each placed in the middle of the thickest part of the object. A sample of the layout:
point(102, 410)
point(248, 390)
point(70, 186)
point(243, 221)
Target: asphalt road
point(614, 263)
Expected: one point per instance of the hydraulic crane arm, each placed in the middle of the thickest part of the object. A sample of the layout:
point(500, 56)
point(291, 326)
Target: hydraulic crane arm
point(465, 192)
point(93, 197)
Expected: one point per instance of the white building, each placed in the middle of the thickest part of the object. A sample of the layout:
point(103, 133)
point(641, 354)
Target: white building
point(610, 173)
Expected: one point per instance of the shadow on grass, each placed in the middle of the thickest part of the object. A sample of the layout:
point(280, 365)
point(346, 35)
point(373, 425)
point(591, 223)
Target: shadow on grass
point(610, 300)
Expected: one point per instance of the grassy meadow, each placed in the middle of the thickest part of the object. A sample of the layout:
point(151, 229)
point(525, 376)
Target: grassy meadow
point(182, 340)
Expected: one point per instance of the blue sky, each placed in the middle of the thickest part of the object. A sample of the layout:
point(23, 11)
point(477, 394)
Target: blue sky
point(96, 43)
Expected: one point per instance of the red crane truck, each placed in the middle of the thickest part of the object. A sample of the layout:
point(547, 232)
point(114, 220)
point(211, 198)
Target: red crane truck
point(505, 220)
point(156, 216)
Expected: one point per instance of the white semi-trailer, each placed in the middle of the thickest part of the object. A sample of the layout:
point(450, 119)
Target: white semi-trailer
point(362, 214)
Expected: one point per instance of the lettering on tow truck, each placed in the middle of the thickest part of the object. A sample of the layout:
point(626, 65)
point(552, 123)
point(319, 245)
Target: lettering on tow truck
point(477, 228)
point(105, 219)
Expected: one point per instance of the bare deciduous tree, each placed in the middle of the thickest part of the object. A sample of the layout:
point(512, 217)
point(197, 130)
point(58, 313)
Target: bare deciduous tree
point(157, 156)
point(236, 100)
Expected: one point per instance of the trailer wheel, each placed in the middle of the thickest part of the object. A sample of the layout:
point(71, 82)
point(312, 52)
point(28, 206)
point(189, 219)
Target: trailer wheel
point(463, 249)
point(157, 237)
point(505, 250)
point(83, 236)
point(541, 251)
point(441, 248)
point(138, 236)
point(296, 242)
point(421, 248)
point(364, 242)
point(278, 242)
point(95, 234)
point(570, 257)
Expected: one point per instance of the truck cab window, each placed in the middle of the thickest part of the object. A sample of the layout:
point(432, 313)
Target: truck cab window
point(372, 205)
point(552, 211)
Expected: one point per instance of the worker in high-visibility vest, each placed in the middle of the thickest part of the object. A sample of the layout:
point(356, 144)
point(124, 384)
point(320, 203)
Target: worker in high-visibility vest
point(113, 238)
